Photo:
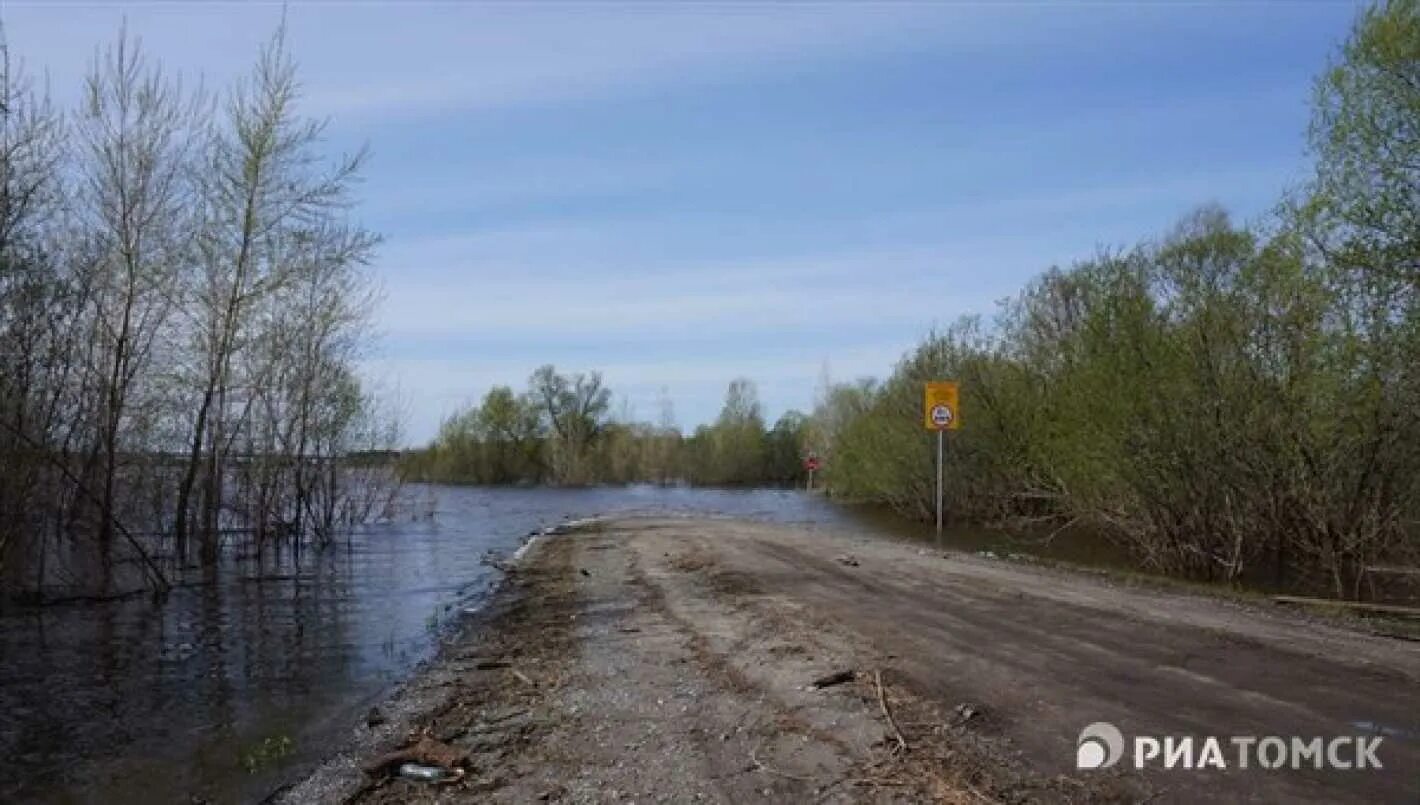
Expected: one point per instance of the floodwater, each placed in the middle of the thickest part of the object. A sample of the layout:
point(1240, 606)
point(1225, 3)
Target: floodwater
point(228, 688)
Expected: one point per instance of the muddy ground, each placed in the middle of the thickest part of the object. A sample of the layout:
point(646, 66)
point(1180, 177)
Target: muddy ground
point(672, 660)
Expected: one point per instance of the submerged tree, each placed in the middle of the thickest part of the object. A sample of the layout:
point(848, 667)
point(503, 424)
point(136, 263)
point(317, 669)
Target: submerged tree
point(182, 303)
point(272, 229)
point(136, 136)
point(39, 306)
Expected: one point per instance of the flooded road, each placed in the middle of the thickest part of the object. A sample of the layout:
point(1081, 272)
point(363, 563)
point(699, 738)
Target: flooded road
point(224, 690)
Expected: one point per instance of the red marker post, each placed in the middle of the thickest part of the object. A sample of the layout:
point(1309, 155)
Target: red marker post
point(811, 463)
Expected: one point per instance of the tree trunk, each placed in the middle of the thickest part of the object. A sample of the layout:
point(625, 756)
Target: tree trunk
point(189, 478)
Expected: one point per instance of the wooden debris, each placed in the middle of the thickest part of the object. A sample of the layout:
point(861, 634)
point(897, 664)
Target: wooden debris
point(835, 678)
point(892, 722)
point(501, 717)
point(1393, 570)
point(1359, 606)
point(374, 718)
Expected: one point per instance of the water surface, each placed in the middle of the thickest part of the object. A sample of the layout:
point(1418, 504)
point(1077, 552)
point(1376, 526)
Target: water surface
point(233, 683)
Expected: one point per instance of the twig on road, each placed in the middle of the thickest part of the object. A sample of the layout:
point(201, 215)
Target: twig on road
point(882, 703)
point(835, 678)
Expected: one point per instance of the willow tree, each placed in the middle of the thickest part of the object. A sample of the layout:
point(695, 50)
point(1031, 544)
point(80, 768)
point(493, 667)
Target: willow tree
point(737, 447)
point(136, 132)
point(573, 409)
point(1362, 222)
point(38, 307)
point(171, 278)
point(272, 212)
point(1366, 135)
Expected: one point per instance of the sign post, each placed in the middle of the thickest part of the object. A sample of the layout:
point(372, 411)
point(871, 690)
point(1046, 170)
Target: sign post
point(941, 438)
point(811, 463)
point(941, 414)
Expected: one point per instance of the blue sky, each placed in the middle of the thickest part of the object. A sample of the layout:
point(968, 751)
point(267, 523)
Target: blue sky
point(681, 195)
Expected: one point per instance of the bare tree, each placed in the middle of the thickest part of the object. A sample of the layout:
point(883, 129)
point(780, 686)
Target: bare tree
point(35, 305)
point(170, 278)
point(135, 134)
point(270, 210)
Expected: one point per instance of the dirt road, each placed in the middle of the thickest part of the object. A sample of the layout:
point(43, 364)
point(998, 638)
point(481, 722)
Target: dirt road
point(672, 660)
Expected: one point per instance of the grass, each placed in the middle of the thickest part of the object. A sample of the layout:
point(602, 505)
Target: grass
point(269, 751)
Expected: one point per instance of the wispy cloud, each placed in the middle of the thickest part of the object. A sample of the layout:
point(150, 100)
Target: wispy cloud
point(480, 295)
point(556, 54)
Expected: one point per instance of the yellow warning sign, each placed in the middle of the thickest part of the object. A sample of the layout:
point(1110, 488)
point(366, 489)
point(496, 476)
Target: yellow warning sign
point(939, 409)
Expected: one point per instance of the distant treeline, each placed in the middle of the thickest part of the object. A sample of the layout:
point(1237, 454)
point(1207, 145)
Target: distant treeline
point(183, 298)
point(561, 430)
point(1225, 401)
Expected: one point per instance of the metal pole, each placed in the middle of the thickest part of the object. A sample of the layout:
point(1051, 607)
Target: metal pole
point(939, 486)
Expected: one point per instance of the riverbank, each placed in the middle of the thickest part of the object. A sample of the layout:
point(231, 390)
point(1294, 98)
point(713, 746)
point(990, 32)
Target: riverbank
point(674, 659)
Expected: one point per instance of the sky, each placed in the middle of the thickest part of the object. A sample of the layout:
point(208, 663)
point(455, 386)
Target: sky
point(680, 195)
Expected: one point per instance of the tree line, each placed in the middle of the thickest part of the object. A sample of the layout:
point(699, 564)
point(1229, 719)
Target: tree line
point(562, 430)
point(1225, 400)
point(182, 300)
